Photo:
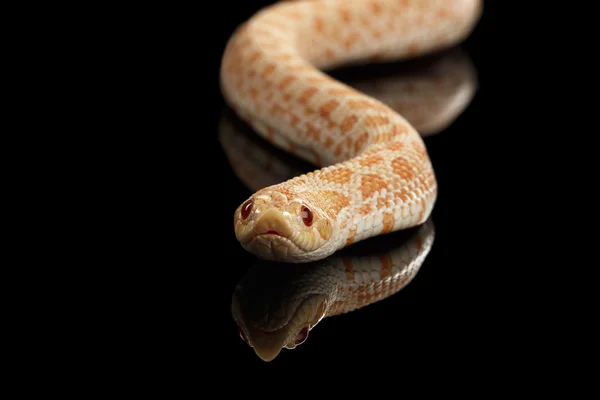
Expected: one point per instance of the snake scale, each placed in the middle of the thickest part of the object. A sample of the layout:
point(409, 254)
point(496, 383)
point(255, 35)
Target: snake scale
point(375, 175)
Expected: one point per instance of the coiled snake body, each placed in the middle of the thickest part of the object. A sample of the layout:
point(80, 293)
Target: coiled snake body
point(376, 176)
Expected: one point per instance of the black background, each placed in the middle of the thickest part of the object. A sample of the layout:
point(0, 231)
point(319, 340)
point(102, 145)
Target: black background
point(135, 297)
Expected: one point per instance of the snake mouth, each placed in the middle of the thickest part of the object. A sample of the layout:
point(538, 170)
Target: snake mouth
point(271, 232)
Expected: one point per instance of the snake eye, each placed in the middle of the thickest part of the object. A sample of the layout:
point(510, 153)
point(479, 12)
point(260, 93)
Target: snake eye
point(307, 215)
point(246, 208)
point(301, 336)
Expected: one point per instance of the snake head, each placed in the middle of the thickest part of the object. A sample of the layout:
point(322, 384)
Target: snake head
point(278, 227)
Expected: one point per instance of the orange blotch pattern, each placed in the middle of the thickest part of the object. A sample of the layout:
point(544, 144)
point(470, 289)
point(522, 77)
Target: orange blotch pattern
point(327, 200)
point(361, 142)
point(365, 209)
point(351, 237)
point(351, 40)
point(348, 123)
point(328, 142)
point(386, 266)
point(337, 175)
point(376, 7)
point(370, 184)
point(326, 109)
point(345, 15)
point(285, 82)
point(319, 25)
point(370, 160)
point(402, 168)
point(349, 269)
point(307, 94)
point(312, 132)
point(388, 222)
point(396, 146)
point(376, 121)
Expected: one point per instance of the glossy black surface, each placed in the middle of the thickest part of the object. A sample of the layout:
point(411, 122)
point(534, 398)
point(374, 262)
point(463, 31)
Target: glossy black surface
point(147, 304)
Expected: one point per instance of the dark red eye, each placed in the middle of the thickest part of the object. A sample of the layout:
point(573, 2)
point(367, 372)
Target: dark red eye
point(246, 208)
point(301, 336)
point(307, 215)
point(241, 333)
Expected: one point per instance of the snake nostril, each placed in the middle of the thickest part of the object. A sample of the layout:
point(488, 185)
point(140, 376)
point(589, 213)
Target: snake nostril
point(246, 208)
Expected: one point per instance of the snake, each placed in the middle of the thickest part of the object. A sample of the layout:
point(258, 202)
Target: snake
point(373, 174)
point(275, 307)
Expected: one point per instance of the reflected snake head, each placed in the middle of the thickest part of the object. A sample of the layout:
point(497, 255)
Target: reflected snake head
point(287, 327)
point(279, 227)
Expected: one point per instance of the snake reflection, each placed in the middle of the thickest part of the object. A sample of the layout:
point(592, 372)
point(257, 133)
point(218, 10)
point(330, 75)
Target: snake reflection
point(275, 306)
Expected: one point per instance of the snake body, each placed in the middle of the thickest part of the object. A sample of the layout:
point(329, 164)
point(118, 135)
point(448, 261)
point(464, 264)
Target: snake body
point(375, 174)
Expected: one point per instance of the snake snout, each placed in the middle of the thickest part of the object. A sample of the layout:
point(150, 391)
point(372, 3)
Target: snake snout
point(273, 222)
